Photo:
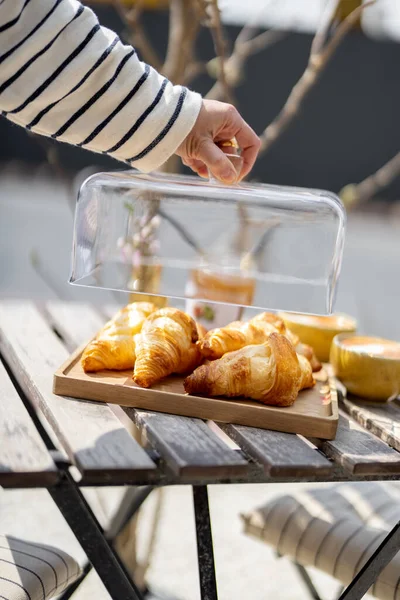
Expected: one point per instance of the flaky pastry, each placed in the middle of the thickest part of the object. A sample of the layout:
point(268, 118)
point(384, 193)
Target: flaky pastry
point(239, 334)
point(166, 345)
point(236, 335)
point(114, 346)
point(271, 372)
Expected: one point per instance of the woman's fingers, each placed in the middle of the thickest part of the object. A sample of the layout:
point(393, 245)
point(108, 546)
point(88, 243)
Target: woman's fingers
point(197, 166)
point(217, 162)
point(250, 144)
point(218, 122)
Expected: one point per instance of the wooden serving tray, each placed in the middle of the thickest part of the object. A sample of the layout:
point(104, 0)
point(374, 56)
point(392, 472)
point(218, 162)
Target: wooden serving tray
point(314, 414)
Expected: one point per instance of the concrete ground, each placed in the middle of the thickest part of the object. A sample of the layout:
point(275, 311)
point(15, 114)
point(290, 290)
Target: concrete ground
point(34, 216)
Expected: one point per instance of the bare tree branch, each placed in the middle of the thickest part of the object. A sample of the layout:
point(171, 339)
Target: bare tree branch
point(352, 194)
point(209, 14)
point(220, 44)
point(137, 35)
point(193, 70)
point(263, 40)
point(320, 55)
point(244, 47)
point(183, 28)
point(326, 21)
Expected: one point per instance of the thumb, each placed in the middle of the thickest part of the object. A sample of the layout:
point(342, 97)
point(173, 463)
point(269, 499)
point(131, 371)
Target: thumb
point(217, 162)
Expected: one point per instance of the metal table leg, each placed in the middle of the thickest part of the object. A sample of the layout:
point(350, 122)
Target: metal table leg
point(374, 566)
point(308, 581)
point(90, 535)
point(205, 554)
point(129, 506)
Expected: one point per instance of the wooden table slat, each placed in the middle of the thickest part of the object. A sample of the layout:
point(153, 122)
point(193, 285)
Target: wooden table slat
point(24, 458)
point(77, 323)
point(188, 446)
point(281, 454)
point(359, 452)
point(92, 435)
point(381, 418)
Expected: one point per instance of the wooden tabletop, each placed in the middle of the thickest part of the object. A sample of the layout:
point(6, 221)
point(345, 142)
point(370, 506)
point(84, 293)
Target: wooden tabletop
point(35, 341)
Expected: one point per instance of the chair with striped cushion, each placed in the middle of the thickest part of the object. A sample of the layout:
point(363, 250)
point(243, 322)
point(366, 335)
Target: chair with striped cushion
point(30, 571)
point(334, 528)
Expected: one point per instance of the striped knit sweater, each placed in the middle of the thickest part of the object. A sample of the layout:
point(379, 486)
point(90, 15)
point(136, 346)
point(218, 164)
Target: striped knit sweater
point(63, 75)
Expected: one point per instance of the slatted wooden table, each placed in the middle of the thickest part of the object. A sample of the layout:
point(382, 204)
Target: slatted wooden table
point(43, 436)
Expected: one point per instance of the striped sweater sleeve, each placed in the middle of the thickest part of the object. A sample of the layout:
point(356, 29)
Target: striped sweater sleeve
point(64, 76)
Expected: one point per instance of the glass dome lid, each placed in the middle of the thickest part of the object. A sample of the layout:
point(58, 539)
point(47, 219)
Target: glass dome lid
point(252, 245)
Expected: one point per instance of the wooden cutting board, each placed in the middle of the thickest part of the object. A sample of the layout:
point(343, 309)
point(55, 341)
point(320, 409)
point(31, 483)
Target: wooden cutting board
point(314, 414)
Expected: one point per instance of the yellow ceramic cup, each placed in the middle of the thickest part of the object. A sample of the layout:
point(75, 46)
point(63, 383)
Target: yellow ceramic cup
point(367, 366)
point(318, 331)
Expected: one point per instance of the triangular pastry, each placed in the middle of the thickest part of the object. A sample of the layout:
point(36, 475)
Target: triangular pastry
point(114, 346)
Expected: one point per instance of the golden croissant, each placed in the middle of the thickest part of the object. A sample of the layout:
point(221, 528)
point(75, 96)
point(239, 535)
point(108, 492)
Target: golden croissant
point(201, 330)
point(302, 349)
point(166, 345)
point(307, 379)
point(114, 346)
point(270, 372)
point(239, 334)
point(309, 354)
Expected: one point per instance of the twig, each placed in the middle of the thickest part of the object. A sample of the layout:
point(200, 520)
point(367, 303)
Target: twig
point(183, 28)
point(354, 194)
point(248, 261)
point(244, 47)
point(180, 64)
point(326, 21)
point(220, 48)
point(181, 230)
point(156, 210)
point(138, 37)
point(193, 70)
point(215, 26)
point(263, 40)
point(319, 58)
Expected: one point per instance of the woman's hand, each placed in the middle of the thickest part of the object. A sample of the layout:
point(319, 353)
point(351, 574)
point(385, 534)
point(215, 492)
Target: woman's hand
point(219, 122)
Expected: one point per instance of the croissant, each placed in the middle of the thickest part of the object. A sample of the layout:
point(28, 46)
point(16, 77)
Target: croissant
point(309, 354)
point(201, 330)
point(114, 346)
point(238, 334)
point(273, 319)
point(270, 372)
point(307, 379)
point(300, 348)
point(166, 345)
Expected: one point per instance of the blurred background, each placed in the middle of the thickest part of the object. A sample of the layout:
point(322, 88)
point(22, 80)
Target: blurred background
point(341, 132)
point(344, 130)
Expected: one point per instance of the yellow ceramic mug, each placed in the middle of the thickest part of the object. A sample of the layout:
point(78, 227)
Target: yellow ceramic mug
point(318, 331)
point(367, 366)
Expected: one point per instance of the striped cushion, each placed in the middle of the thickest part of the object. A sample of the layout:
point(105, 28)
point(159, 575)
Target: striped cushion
point(334, 528)
point(31, 571)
